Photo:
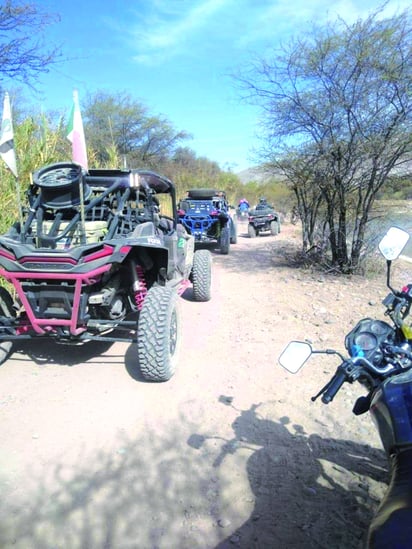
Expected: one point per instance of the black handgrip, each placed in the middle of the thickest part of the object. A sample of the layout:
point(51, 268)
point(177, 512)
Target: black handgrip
point(335, 384)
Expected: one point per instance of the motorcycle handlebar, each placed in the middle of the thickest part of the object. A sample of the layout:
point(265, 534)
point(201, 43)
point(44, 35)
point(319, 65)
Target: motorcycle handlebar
point(333, 387)
point(371, 368)
point(350, 370)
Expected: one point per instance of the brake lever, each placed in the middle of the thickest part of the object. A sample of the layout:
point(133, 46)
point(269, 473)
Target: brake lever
point(321, 391)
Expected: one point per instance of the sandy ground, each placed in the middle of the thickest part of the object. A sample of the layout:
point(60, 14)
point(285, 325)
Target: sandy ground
point(231, 452)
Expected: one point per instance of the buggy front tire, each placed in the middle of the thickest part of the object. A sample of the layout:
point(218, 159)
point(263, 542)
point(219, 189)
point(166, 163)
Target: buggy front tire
point(202, 275)
point(251, 231)
point(6, 311)
point(158, 334)
point(224, 241)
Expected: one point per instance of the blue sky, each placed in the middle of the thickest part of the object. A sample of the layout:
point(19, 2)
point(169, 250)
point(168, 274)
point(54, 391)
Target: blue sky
point(176, 56)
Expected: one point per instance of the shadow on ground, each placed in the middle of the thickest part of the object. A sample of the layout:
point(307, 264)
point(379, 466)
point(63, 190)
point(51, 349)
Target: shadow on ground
point(158, 491)
point(44, 351)
point(309, 491)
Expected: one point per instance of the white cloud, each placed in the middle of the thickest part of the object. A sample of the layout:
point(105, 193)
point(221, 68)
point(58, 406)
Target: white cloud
point(169, 27)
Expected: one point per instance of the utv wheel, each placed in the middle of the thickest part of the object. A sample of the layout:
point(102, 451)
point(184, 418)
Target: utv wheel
point(225, 240)
point(251, 231)
point(233, 232)
point(158, 334)
point(274, 228)
point(6, 310)
point(202, 275)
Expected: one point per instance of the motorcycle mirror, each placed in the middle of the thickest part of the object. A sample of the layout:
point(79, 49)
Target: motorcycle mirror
point(294, 356)
point(393, 243)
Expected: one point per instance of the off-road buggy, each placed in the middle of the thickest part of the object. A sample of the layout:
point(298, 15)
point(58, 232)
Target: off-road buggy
point(263, 218)
point(94, 258)
point(206, 215)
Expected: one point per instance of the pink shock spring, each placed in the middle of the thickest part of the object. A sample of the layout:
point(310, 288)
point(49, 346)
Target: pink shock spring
point(141, 293)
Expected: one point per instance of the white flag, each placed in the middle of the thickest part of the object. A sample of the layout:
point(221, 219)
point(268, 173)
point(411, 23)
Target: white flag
point(7, 138)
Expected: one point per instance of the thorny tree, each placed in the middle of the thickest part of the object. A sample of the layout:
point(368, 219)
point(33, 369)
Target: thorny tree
point(337, 101)
point(23, 52)
point(119, 120)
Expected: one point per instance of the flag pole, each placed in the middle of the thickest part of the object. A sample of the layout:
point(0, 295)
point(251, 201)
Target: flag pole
point(20, 206)
point(83, 238)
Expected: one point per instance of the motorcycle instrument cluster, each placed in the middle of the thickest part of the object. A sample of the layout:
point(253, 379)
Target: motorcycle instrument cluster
point(367, 337)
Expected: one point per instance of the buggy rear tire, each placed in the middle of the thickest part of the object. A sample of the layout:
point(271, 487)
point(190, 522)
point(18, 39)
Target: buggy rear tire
point(233, 231)
point(6, 310)
point(201, 194)
point(202, 275)
point(251, 231)
point(158, 334)
point(224, 240)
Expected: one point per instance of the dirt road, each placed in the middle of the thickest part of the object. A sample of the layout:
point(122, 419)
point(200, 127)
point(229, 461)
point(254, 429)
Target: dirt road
point(230, 452)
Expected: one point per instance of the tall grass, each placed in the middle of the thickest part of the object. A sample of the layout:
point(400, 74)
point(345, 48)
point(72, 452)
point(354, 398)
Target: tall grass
point(37, 143)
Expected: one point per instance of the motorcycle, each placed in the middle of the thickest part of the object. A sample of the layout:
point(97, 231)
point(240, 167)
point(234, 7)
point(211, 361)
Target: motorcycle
point(242, 214)
point(380, 359)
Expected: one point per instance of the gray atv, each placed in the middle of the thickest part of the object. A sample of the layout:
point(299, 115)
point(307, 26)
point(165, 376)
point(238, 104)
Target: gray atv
point(263, 219)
